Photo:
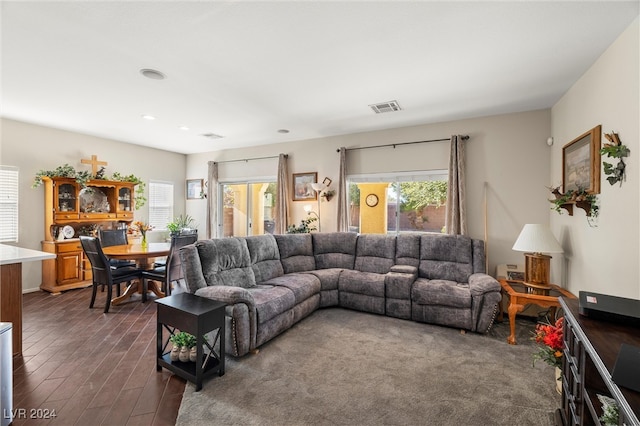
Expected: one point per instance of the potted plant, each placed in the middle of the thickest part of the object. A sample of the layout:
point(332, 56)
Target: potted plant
point(306, 226)
point(183, 345)
point(550, 340)
point(180, 223)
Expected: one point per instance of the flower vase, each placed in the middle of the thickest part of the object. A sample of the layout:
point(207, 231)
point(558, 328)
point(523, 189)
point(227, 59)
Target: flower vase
point(144, 241)
point(183, 356)
point(175, 351)
point(193, 354)
point(559, 380)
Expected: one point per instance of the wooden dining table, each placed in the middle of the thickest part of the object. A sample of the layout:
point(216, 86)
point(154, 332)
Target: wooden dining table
point(144, 257)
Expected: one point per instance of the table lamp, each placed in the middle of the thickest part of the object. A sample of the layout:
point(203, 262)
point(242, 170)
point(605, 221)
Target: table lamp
point(534, 240)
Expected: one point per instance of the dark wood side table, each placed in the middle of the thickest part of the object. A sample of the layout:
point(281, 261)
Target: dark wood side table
point(197, 316)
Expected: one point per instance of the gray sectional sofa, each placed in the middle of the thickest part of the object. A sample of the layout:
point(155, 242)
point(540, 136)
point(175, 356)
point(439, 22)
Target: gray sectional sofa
point(271, 282)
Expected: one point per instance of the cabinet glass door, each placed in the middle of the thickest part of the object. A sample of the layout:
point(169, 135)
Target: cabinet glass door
point(124, 199)
point(67, 201)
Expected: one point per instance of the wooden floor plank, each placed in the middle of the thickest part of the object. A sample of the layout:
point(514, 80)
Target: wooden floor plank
point(89, 367)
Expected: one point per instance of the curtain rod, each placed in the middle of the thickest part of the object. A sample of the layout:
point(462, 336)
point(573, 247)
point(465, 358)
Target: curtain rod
point(250, 159)
point(464, 138)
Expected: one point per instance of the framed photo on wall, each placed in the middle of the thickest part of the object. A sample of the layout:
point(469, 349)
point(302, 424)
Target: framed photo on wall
point(302, 190)
point(581, 162)
point(194, 189)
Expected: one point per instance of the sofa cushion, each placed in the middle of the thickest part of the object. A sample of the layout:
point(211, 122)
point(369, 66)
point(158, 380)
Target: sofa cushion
point(408, 249)
point(375, 253)
point(441, 292)
point(302, 285)
point(226, 262)
point(265, 257)
point(368, 283)
point(334, 249)
point(328, 277)
point(271, 301)
point(296, 252)
point(445, 257)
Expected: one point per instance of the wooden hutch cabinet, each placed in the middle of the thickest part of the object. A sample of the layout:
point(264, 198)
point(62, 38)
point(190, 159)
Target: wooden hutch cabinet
point(68, 207)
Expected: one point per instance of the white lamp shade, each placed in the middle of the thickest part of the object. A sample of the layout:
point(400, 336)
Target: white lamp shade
point(318, 186)
point(537, 238)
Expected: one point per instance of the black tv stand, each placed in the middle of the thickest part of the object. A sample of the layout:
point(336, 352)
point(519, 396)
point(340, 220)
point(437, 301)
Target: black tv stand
point(591, 347)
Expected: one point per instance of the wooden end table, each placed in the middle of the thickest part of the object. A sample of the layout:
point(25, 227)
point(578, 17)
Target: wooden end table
point(521, 295)
point(197, 316)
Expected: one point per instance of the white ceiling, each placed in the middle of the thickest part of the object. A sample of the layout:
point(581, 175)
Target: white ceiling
point(246, 69)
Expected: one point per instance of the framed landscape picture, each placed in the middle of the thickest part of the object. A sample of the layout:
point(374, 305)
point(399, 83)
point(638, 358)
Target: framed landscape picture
point(302, 190)
point(581, 162)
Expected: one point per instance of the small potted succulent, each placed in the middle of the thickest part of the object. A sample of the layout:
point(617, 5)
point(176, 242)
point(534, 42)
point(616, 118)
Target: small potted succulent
point(183, 344)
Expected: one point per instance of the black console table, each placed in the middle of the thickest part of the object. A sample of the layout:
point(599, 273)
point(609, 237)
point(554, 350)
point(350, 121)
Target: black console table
point(591, 347)
point(197, 316)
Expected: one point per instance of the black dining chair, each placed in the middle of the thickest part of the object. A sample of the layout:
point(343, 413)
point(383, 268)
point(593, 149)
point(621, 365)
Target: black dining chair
point(115, 237)
point(172, 271)
point(103, 273)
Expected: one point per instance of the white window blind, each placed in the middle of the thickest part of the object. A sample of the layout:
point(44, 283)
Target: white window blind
point(160, 204)
point(8, 204)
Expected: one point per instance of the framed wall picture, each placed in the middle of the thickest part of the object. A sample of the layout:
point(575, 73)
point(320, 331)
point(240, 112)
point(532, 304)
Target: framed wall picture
point(581, 162)
point(302, 190)
point(194, 189)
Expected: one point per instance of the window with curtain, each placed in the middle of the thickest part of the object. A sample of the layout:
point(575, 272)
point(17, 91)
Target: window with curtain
point(8, 204)
point(399, 202)
point(160, 204)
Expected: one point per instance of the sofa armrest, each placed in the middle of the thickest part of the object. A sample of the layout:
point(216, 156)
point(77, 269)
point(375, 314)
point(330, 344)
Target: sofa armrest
point(228, 294)
point(480, 284)
point(405, 269)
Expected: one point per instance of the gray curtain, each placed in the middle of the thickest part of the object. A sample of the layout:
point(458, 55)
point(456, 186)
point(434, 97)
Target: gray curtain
point(212, 200)
point(343, 206)
point(282, 207)
point(456, 221)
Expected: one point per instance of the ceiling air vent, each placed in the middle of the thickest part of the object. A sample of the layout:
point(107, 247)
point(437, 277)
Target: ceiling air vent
point(385, 107)
point(211, 136)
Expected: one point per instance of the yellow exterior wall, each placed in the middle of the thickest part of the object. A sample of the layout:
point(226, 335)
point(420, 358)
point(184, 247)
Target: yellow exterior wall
point(373, 220)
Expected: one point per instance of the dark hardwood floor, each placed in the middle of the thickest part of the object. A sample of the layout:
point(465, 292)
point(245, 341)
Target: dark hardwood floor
point(89, 367)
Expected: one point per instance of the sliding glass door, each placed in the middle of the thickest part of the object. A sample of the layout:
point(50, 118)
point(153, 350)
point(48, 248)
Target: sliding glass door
point(248, 208)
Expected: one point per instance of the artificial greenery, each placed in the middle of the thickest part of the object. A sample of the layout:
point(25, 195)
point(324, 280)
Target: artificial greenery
point(66, 171)
point(614, 149)
point(577, 196)
point(183, 339)
point(306, 226)
point(179, 223)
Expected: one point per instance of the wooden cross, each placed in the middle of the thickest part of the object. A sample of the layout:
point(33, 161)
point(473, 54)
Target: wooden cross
point(94, 164)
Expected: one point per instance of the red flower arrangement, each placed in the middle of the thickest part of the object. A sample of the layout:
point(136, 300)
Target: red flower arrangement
point(549, 336)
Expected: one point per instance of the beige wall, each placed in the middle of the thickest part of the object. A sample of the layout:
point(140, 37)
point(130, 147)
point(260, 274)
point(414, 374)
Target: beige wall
point(603, 259)
point(509, 152)
point(33, 148)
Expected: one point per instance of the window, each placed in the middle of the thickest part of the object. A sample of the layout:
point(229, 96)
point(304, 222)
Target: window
point(405, 202)
point(160, 204)
point(8, 204)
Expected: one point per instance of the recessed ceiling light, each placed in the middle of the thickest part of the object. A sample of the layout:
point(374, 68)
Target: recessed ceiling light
point(148, 117)
point(211, 136)
point(185, 128)
point(152, 74)
point(283, 131)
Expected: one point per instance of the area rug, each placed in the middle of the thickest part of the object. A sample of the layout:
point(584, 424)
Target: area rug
point(342, 367)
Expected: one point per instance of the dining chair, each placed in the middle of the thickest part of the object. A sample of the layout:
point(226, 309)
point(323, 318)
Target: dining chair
point(103, 273)
point(186, 231)
point(115, 237)
point(172, 271)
